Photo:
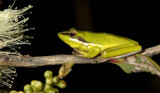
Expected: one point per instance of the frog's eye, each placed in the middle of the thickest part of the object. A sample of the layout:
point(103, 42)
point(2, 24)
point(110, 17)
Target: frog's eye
point(73, 34)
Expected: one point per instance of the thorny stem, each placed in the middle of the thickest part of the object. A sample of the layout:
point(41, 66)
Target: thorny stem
point(28, 61)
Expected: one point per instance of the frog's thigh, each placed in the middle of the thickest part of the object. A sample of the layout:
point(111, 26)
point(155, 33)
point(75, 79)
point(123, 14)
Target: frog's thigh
point(92, 52)
point(109, 53)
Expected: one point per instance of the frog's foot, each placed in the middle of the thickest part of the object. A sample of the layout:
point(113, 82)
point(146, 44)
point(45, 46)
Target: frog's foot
point(76, 53)
point(79, 53)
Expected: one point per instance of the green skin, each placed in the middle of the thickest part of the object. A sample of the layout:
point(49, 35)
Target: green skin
point(90, 44)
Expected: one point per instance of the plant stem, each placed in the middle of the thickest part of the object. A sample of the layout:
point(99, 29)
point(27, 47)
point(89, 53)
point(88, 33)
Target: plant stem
point(28, 61)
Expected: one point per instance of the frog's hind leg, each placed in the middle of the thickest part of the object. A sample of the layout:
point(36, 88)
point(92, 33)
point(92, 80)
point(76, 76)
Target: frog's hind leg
point(121, 51)
point(125, 55)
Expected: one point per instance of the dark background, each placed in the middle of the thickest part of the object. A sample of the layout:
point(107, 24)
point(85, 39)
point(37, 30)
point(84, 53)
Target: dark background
point(138, 20)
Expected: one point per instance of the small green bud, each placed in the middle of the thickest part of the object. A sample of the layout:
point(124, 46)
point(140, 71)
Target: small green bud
point(55, 79)
point(46, 87)
point(48, 74)
point(20, 92)
point(39, 92)
point(28, 89)
point(50, 90)
point(36, 85)
point(61, 84)
point(56, 90)
point(49, 81)
point(13, 91)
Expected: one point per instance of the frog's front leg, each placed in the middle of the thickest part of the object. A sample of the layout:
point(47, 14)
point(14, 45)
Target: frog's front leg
point(87, 51)
point(121, 51)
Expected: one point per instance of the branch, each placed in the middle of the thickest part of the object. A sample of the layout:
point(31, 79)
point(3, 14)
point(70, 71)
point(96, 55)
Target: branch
point(152, 51)
point(28, 61)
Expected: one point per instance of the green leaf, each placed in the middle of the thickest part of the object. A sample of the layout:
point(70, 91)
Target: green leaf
point(137, 63)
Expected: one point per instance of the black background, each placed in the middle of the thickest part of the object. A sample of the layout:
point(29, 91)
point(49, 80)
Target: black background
point(138, 20)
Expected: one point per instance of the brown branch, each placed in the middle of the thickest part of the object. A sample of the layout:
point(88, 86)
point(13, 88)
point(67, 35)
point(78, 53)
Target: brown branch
point(28, 61)
point(152, 51)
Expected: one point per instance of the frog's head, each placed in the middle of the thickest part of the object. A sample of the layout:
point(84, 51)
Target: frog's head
point(72, 37)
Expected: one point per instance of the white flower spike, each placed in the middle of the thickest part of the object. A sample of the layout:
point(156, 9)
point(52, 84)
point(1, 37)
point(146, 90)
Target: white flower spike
point(12, 24)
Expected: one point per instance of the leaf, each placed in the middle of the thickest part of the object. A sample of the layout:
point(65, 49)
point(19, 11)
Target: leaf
point(137, 63)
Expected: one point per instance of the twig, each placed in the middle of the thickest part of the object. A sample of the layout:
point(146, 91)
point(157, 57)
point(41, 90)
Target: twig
point(152, 51)
point(28, 61)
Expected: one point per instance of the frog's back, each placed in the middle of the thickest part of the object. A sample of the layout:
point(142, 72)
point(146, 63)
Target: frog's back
point(107, 40)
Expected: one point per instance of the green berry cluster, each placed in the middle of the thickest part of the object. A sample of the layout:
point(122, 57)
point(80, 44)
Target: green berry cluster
point(49, 87)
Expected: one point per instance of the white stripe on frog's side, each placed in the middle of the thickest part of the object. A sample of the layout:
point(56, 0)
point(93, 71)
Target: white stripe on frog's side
point(86, 43)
